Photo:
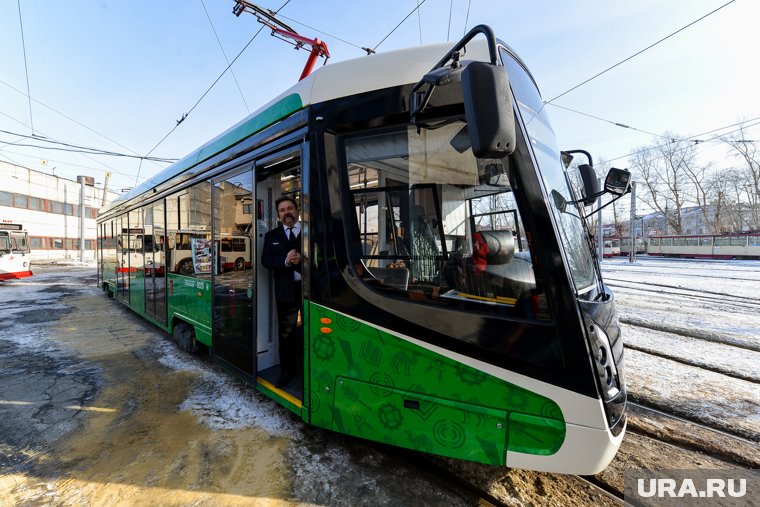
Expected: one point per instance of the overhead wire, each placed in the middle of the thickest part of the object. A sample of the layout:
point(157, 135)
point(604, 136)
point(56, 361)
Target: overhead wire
point(419, 21)
point(451, 8)
point(40, 136)
point(617, 124)
point(638, 52)
point(667, 138)
point(743, 125)
point(64, 116)
point(60, 162)
point(399, 24)
point(75, 148)
point(185, 115)
point(26, 67)
point(234, 78)
point(467, 18)
point(326, 33)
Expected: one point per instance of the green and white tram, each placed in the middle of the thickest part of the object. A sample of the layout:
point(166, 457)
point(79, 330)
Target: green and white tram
point(450, 305)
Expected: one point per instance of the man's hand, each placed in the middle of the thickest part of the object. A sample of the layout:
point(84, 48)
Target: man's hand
point(293, 257)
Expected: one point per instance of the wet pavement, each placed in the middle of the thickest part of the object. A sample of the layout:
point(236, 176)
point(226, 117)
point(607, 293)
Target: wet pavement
point(98, 407)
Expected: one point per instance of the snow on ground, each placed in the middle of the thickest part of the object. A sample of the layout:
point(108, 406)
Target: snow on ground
point(733, 361)
point(715, 400)
point(221, 401)
point(698, 316)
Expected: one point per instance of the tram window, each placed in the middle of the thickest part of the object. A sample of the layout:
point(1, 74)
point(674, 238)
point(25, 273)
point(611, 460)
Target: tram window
point(6, 199)
point(692, 241)
point(738, 241)
point(654, 241)
point(722, 241)
point(679, 241)
point(191, 253)
point(705, 241)
point(5, 244)
point(437, 225)
point(667, 241)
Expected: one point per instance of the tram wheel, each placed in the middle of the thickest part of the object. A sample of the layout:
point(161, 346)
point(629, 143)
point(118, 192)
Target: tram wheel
point(184, 337)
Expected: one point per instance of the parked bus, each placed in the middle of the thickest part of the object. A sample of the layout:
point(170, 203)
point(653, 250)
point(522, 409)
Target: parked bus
point(450, 305)
point(15, 257)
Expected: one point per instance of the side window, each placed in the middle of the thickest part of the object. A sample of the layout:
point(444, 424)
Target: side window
point(190, 238)
point(436, 225)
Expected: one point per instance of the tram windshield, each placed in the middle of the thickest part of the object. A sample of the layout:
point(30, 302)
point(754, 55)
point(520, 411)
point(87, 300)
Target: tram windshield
point(438, 225)
point(569, 224)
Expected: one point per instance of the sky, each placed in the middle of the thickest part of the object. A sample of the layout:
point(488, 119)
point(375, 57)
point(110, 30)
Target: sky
point(118, 75)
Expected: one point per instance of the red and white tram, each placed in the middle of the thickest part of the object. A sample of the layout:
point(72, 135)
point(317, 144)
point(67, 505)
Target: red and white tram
point(725, 246)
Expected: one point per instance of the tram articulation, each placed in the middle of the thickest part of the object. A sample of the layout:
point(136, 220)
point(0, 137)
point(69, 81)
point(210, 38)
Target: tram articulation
point(450, 305)
point(15, 256)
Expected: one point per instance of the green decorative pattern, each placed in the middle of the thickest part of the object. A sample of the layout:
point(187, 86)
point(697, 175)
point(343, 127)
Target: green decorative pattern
point(372, 384)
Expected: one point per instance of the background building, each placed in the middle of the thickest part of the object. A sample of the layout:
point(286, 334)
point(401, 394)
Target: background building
point(49, 209)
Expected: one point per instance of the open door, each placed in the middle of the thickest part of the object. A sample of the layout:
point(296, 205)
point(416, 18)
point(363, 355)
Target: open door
point(276, 175)
point(233, 271)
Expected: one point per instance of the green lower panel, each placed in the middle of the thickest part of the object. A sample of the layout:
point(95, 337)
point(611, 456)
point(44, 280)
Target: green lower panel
point(535, 435)
point(424, 423)
point(380, 370)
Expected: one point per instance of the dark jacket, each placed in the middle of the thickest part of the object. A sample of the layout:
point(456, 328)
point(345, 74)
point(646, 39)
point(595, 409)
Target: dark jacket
point(276, 248)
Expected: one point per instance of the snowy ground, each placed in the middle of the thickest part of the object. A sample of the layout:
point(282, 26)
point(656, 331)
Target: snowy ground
point(692, 335)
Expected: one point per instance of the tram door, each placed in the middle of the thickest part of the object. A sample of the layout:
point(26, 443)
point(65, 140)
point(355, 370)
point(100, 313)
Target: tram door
point(277, 175)
point(233, 270)
point(155, 269)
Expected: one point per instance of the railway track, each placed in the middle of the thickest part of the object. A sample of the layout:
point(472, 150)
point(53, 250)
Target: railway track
point(479, 494)
point(692, 435)
point(694, 294)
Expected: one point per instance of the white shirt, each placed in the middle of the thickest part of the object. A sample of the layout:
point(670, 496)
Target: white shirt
point(296, 229)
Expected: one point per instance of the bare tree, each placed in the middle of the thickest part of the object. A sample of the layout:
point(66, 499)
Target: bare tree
point(664, 169)
point(747, 151)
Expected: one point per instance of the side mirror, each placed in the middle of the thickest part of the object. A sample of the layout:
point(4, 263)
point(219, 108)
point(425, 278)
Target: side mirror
point(559, 201)
point(590, 184)
point(488, 110)
point(617, 182)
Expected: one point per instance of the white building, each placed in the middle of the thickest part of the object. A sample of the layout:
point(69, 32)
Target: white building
point(48, 207)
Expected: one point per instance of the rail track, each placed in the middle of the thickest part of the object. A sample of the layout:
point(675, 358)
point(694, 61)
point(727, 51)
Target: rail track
point(706, 296)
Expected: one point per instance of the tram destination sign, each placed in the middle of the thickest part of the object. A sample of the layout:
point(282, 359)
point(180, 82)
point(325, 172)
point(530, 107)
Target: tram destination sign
point(10, 227)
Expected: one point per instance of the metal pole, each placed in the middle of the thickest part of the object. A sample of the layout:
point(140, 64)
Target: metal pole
point(81, 217)
point(632, 232)
point(600, 233)
point(105, 189)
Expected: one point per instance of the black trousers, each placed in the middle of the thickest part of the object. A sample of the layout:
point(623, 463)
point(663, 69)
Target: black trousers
point(291, 337)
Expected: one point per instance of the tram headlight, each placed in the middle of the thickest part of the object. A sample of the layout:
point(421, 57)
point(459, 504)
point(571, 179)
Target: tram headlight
point(604, 363)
